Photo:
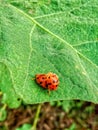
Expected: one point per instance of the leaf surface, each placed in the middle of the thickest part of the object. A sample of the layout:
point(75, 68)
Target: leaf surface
point(61, 41)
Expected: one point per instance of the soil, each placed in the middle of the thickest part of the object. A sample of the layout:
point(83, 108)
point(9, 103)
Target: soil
point(53, 117)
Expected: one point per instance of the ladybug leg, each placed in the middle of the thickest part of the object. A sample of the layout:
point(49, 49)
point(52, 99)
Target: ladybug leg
point(48, 92)
point(33, 78)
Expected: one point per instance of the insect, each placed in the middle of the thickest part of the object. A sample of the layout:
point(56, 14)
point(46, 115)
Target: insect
point(48, 81)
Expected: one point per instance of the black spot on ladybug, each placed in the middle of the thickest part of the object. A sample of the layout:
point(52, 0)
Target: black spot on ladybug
point(46, 85)
point(40, 82)
point(54, 81)
point(37, 77)
point(49, 83)
point(49, 77)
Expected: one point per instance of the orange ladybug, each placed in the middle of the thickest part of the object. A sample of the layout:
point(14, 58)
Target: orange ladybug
point(48, 81)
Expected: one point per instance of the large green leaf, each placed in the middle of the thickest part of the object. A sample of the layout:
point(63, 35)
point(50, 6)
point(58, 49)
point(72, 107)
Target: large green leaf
point(63, 41)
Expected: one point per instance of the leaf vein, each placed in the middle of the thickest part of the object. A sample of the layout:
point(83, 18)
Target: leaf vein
point(29, 57)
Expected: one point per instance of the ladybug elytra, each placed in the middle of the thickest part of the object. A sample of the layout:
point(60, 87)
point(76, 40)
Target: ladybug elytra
point(48, 81)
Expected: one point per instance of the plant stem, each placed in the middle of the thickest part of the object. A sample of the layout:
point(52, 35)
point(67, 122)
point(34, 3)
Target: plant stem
point(4, 106)
point(0, 93)
point(36, 117)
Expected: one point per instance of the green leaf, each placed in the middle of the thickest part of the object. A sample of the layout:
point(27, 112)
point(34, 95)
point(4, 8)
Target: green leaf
point(25, 127)
point(63, 41)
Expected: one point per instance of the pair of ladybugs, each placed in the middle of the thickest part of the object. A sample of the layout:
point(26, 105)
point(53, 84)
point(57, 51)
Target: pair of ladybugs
point(48, 81)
